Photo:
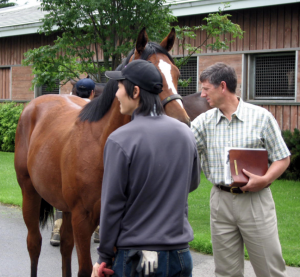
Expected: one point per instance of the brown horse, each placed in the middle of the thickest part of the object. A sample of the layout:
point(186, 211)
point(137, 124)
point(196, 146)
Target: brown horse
point(59, 156)
point(194, 105)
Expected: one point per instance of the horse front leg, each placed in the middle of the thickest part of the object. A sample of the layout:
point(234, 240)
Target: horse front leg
point(66, 244)
point(31, 213)
point(83, 228)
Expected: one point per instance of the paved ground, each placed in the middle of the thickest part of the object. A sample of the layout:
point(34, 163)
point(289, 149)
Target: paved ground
point(14, 258)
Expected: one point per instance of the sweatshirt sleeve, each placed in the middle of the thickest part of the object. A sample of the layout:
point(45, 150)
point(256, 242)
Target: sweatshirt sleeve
point(113, 199)
point(195, 180)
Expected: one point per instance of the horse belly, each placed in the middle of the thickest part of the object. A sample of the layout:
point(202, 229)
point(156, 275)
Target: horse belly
point(45, 173)
point(49, 135)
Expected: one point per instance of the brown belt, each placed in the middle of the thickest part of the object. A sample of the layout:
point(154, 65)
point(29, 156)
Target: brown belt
point(233, 190)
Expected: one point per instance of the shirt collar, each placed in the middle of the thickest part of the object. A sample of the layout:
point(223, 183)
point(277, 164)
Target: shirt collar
point(238, 113)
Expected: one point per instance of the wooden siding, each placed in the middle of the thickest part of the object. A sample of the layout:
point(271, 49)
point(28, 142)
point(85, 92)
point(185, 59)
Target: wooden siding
point(298, 79)
point(265, 28)
point(287, 116)
point(21, 83)
point(233, 60)
point(4, 83)
point(13, 48)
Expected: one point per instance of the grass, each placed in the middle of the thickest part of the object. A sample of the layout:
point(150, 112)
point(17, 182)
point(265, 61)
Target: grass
point(10, 192)
point(286, 195)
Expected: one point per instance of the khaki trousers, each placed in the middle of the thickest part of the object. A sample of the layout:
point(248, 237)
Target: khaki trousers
point(248, 219)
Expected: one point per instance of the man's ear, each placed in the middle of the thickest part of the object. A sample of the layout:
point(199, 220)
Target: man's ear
point(92, 95)
point(223, 86)
point(136, 92)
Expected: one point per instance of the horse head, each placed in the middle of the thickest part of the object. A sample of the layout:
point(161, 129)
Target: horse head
point(159, 56)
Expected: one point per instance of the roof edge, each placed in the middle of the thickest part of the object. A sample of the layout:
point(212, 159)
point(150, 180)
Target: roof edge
point(208, 6)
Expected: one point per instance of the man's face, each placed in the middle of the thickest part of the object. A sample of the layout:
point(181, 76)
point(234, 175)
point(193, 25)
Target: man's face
point(127, 104)
point(212, 94)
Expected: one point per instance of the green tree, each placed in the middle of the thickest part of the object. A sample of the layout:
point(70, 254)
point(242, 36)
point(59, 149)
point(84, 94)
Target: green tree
point(217, 25)
point(85, 26)
point(4, 4)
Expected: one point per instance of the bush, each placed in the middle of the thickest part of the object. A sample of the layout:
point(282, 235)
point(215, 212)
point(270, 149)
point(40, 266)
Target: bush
point(9, 116)
point(292, 141)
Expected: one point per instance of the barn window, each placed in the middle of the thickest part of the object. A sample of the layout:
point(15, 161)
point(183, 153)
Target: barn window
point(187, 71)
point(5, 83)
point(103, 78)
point(272, 76)
point(44, 89)
point(55, 90)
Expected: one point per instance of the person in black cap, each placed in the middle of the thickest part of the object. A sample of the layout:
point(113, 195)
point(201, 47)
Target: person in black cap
point(85, 88)
point(150, 166)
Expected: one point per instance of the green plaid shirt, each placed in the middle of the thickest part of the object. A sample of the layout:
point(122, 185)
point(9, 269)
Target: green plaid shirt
point(250, 127)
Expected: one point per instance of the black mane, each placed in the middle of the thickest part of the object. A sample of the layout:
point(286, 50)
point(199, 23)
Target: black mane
point(98, 107)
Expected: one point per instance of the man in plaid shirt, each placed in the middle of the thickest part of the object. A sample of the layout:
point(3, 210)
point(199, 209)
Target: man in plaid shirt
point(247, 214)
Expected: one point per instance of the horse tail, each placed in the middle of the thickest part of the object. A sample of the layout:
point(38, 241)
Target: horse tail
point(46, 211)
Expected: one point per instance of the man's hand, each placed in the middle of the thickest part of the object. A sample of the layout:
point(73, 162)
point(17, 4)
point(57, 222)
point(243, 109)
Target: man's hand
point(101, 270)
point(95, 270)
point(255, 183)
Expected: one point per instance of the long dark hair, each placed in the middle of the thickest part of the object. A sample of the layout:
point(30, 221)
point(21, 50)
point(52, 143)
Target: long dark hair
point(149, 102)
point(83, 93)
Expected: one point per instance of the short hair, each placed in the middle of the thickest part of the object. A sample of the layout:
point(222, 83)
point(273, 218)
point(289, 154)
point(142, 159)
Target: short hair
point(149, 102)
point(219, 72)
point(83, 93)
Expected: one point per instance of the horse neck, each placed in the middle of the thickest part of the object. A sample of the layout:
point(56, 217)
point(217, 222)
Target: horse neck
point(112, 120)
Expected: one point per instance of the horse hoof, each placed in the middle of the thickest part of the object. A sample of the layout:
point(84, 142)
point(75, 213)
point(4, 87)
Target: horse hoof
point(55, 239)
point(96, 235)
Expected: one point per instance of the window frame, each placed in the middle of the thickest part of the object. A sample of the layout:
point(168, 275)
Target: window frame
point(194, 59)
point(251, 73)
point(9, 80)
point(38, 91)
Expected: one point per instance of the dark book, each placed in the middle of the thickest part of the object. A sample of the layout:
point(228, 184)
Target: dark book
point(253, 160)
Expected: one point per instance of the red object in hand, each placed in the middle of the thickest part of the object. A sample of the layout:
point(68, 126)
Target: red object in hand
point(103, 271)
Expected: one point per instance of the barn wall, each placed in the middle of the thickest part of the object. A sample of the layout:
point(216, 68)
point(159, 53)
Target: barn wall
point(265, 28)
point(5, 75)
point(13, 48)
point(21, 83)
point(288, 117)
point(15, 82)
point(234, 60)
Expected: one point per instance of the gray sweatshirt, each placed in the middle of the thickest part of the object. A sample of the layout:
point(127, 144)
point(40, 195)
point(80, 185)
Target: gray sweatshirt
point(150, 166)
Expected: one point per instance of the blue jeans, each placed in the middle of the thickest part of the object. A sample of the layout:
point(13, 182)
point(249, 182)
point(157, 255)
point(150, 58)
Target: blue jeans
point(174, 263)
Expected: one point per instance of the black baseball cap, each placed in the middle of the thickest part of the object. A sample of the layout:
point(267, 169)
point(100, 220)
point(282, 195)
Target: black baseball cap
point(141, 73)
point(85, 84)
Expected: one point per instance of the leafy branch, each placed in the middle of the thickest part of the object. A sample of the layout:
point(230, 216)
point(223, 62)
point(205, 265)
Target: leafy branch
point(217, 25)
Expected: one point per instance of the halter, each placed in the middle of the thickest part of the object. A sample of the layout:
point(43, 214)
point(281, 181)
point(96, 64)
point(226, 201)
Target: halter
point(169, 98)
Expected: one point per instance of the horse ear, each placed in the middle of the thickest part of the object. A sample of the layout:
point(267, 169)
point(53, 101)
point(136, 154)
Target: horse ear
point(169, 40)
point(73, 82)
point(141, 43)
